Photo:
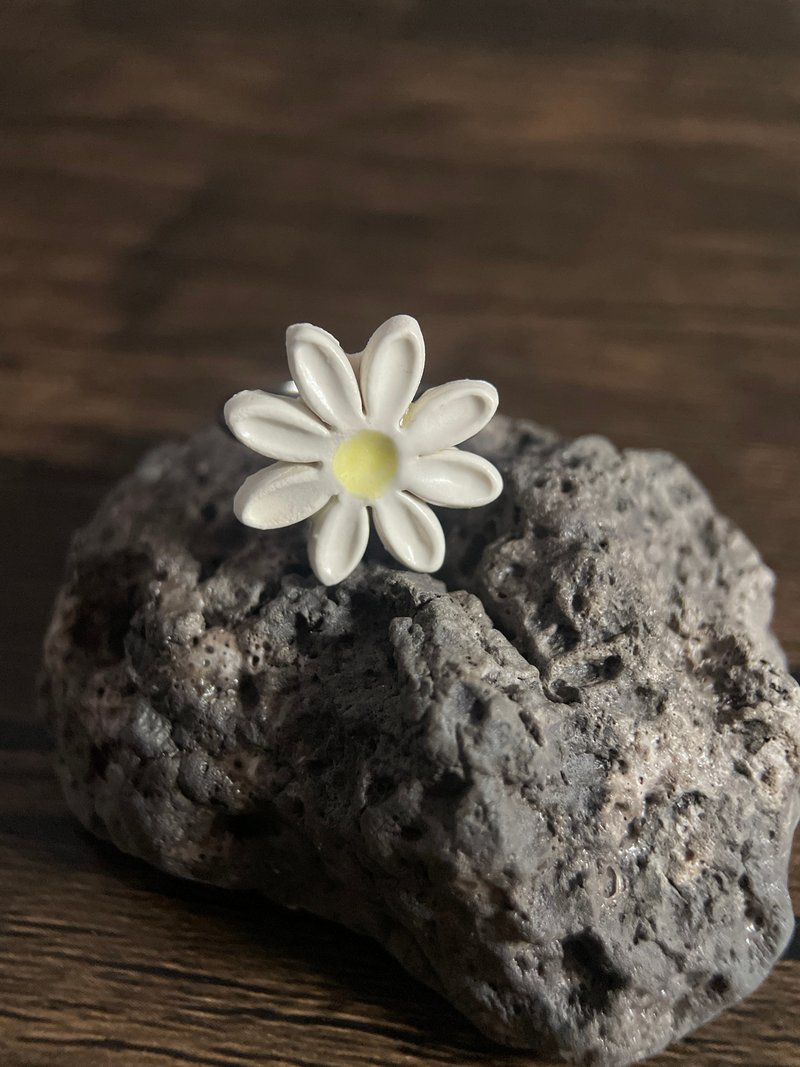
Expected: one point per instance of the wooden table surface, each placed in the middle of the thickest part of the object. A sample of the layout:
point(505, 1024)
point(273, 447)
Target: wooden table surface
point(595, 204)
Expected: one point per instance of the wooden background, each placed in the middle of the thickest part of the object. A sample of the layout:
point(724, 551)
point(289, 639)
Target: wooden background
point(596, 204)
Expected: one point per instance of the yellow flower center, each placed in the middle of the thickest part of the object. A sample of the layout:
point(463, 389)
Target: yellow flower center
point(365, 464)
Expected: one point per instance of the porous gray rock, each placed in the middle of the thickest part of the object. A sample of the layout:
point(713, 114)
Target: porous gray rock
point(558, 782)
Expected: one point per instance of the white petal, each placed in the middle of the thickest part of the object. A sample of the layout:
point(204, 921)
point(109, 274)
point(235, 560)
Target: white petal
point(410, 531)
point(391, 370)
point(323, 376)
point(276, 426)
point(281, 495)
point(448, 414)
point(339, 535)
point(454, 479)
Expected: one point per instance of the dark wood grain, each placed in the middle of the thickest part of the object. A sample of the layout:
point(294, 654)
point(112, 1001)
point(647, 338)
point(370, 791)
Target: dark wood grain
point(596, 204)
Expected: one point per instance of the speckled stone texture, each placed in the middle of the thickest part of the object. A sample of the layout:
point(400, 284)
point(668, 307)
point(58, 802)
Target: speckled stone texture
point(564, 797)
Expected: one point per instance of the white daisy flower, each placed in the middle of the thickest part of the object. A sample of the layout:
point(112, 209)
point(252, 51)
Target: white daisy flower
point(356, 439)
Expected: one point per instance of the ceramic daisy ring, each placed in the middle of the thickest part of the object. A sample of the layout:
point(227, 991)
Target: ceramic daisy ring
point(354, 439)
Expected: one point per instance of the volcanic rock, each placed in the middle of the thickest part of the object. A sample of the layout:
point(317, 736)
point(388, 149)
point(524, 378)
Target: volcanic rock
point(558, 781)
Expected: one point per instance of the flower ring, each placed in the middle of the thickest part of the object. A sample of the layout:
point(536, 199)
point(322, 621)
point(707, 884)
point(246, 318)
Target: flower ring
point(356, 439)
